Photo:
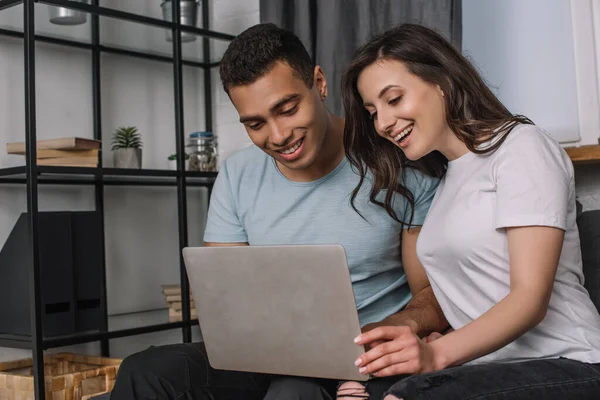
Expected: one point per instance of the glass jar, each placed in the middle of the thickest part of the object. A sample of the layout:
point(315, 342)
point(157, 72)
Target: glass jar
point(202, 149)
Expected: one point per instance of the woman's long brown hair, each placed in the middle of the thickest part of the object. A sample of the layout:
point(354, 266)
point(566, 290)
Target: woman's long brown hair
point(473, 112)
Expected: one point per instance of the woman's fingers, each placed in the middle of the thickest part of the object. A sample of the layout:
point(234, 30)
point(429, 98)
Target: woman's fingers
point(391, 359)
point(404, 368)
point(392, 346)
point(383, 333)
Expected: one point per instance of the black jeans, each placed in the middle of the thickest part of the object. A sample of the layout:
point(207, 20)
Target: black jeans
point(182, 372)
point(551, 379)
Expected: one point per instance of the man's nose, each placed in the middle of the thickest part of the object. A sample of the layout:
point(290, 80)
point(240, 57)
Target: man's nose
point(279, 136)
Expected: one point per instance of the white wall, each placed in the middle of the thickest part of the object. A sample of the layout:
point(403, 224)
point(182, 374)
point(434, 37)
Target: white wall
point(229, 19)
point(141, 223)
point(525, 50)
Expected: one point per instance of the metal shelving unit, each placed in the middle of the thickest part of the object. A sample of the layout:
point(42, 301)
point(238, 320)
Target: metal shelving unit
point(32, 175)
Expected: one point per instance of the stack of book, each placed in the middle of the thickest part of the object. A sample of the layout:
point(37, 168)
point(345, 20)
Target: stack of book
point(65, 152)
point(172, 295)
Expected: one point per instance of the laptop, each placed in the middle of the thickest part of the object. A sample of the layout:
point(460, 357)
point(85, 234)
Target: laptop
point(285, 310)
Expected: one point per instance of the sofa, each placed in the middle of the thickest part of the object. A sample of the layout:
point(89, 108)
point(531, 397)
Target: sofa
point(589, 233)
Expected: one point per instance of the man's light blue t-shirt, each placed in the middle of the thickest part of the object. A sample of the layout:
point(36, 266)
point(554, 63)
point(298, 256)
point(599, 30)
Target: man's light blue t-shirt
point(253, 202)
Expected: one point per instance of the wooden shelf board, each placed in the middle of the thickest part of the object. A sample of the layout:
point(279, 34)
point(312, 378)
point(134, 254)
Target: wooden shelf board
point(584, 154)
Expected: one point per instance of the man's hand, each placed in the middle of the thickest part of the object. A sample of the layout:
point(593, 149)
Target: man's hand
point(422, 315)
point(395, 350)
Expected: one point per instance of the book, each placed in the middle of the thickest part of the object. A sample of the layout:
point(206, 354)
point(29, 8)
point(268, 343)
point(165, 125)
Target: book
point(175, 316)
point(55, 144)
point(76, 153)
point(68, 161)
point(178, 305)
point(79, 165)
point(173, 298)
point(169, 290)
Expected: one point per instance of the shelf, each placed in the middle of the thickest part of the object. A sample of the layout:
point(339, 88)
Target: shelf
point(141, 19)
point(138, 31)
point(119, 326)
point(4, 4)
point(122, 15)
point(106, 176)
point(121, 32)
point(584, 154)
point(153, 56)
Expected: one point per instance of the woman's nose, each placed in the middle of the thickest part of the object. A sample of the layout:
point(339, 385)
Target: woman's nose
point(385, 122)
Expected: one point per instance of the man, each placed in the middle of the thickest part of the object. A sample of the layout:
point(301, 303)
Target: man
point(294, 187)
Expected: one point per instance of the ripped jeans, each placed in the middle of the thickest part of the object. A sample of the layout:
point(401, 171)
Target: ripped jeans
point(182, 371)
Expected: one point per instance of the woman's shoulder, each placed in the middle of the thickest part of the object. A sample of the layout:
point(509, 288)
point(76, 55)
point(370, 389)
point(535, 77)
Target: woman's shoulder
point(528, 137)
point(531, 146)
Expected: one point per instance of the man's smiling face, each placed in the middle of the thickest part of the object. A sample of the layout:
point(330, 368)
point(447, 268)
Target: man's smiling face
point(283, 116)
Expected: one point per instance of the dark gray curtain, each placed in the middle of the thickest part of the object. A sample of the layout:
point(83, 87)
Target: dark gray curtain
point(332, 30)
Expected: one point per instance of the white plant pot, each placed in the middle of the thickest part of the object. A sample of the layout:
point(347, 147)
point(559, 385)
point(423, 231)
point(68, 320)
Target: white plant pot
point(173, 165)
point(127, 158)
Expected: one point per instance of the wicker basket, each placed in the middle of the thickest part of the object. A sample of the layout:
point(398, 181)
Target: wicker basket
point(66, 377)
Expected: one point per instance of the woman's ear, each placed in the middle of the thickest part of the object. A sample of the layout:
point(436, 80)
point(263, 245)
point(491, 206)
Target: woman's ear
point(440, 90)
point(320, 82)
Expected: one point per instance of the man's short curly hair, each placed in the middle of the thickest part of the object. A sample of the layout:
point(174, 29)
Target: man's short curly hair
point(256, 50)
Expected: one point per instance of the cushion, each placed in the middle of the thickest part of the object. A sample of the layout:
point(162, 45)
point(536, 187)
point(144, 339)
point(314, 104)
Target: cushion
point(589, 234)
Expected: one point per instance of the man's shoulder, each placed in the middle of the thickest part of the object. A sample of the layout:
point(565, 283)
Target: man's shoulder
point(247, 156)
point(417, 182)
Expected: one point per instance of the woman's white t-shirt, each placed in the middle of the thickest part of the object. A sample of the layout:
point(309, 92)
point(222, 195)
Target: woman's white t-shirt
point(527, 181)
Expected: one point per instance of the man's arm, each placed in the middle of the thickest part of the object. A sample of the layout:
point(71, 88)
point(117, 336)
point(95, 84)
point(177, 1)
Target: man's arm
point(423, 313)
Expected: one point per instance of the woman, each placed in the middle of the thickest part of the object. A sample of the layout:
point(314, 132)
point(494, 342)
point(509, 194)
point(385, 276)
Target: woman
point(500, 243)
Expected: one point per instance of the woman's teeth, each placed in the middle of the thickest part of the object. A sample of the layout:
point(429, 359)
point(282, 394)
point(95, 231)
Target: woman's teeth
point(403, 134)
point(293, 149)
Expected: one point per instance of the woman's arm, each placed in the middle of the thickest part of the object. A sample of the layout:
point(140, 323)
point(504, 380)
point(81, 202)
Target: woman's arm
point(534, 253)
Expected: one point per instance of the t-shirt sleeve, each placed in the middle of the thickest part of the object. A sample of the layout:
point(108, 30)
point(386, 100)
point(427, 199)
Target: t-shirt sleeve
point(223, 224)
point(423, 188)
point(533, 181)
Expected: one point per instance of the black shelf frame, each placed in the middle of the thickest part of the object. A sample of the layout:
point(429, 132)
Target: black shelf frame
point(25, 342)
point(32, 176)
point(59, 175)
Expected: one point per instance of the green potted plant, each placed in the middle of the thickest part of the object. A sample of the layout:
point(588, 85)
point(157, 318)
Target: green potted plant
point(127, 148)
point(173, 161)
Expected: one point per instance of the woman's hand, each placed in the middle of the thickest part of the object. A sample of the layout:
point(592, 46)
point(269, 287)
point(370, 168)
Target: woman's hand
point(398, 352)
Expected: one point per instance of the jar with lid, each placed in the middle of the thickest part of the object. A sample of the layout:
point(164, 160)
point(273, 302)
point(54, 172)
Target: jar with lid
point(202, 149)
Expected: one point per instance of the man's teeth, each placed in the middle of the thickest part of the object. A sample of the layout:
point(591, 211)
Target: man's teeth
point(403, 134)
point(293, 149)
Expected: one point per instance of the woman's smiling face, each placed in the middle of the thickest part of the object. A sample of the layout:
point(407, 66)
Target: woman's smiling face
point(405, 109)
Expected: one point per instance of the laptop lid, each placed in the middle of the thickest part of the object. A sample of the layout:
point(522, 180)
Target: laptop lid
point(286, 310)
